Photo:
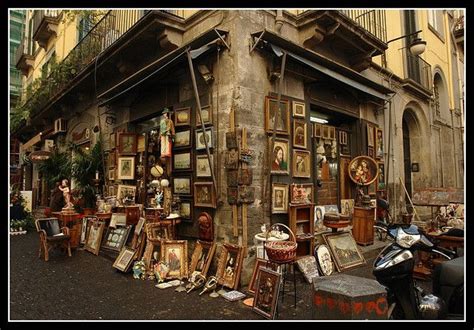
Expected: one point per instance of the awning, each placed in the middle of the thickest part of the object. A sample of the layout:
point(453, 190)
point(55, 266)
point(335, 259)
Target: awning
point(198, 46)
point(323, 64)
point(31, 142)
point(35, 139)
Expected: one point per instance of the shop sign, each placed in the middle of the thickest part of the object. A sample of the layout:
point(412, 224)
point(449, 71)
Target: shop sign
point(81, 134)
point(39, 156)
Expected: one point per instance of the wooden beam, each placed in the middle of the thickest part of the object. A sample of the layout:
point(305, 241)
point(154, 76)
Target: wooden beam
point(244, 206)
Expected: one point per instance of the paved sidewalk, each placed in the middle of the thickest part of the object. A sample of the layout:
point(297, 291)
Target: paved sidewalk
point(87, 287)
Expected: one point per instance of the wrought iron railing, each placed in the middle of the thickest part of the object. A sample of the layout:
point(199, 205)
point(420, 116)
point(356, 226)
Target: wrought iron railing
point(108, 29)
point(373, 21)
point(417, 69)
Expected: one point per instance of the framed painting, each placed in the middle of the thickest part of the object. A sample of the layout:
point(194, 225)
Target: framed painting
point(319, 212)
point(280, 156)
point(232, 178)
point(279, 198)
point(245, 176)
point(182, 117)
point(370, 135)
point(204, 195)
point(186, 210)
point(347, 206)
point(363, 170)
point(344, 249)
point(126, 168)
point(325, 132)
point(301, 164)
point(323, 256)
point(141, 143)
point(182, 185)
point(182, 161)
point(201, 138)
point(112, 174)
point(283, 124)
point(157, 231)
point(139, 226)
point(370, 152)
point(126, 191)
point(308, 267)
point(301, 193)
point(299, 109)
point(318, 130)
point(342, 138)
point(127, 143)
point(206, 116)
point(246, 195)
point(231, 140)
point(299, 134)
point(259, 262)
point(94, 237)
point(379, 144)
point(86, 222)
point(202, 257)
point(124, 259)
point(381, 176)
point(229, 265)
point(112, 158)
point(232, 159)
point(266, 293)
point(203, 166)
point(175, 254)
point(232, 195)
point(182, 139)
point(115, 238)
point(111, 190)
point(332, 133)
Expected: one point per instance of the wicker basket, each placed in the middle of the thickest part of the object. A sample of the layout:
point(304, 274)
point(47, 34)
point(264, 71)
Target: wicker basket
point(281, 251)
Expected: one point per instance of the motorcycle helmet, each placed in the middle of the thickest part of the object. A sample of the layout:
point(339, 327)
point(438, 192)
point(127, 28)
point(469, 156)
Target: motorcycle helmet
point(433, 308)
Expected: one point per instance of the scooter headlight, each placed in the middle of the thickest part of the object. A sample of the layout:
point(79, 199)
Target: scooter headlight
point(406, 240)
point(405, 255)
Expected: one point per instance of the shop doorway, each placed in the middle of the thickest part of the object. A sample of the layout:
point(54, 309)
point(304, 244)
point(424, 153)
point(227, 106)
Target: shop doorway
point(334, 136)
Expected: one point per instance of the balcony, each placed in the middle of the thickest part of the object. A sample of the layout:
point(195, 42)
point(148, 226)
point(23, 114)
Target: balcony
point(66, 75)
point(353, 35)
point(418, 77)
point(459, 31)
point(23, 60)
point(45, 26)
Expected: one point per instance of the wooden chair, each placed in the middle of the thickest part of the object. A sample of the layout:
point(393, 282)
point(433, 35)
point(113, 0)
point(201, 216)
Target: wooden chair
point(52, 236)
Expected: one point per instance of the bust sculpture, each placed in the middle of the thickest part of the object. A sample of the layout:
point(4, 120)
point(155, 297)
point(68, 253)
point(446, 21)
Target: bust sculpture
point(206, 230)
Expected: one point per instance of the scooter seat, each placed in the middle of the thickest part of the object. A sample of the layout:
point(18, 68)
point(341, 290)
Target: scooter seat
point(449, 273)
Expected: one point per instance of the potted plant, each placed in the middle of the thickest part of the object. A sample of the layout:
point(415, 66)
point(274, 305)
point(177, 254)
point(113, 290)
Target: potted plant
point(85, 164)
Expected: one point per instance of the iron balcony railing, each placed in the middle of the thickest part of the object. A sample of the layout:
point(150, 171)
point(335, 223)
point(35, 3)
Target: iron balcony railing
point(373, 21)
point(102, 35)
point(40, 15)
point(417, 69)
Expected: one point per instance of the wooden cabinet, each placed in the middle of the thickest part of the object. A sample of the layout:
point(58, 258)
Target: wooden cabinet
point(363, 225)
point(302, 225)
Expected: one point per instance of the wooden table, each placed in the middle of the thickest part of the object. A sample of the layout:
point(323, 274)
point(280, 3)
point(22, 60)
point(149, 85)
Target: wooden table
point(104, 217)
point(74, 223)
point(172, 222)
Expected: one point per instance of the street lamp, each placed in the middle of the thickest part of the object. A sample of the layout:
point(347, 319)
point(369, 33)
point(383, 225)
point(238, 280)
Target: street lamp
point(417, 46)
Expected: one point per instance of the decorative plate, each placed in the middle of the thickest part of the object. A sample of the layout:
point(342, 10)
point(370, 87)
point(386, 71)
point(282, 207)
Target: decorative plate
point(325, 262)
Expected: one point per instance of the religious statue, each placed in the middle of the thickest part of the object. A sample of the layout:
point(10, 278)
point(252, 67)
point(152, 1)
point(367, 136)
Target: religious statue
point(166, 134)
point(66, 193)
point(159, 198)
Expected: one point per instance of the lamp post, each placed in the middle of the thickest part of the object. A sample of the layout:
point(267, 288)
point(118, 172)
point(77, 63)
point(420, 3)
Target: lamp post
point(417, 46)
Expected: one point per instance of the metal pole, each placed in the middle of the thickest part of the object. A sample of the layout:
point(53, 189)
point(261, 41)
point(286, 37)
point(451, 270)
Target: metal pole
point(198, 102)
point(272, 144)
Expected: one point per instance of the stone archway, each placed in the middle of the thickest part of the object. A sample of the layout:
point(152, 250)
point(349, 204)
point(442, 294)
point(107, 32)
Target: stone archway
point(416, 148)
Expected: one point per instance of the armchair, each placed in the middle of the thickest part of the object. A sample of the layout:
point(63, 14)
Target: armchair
point(52, 236)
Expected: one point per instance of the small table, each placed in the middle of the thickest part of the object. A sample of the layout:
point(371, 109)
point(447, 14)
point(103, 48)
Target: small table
point(173, 221)
point(72, 221)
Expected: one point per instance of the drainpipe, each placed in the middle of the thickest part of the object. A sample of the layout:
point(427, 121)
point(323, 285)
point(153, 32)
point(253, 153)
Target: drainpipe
point(279, 21)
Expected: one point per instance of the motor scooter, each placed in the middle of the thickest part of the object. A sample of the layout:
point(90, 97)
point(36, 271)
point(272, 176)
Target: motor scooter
point(393, 268)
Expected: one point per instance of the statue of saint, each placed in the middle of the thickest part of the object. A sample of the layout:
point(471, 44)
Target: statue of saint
point(166, 134)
